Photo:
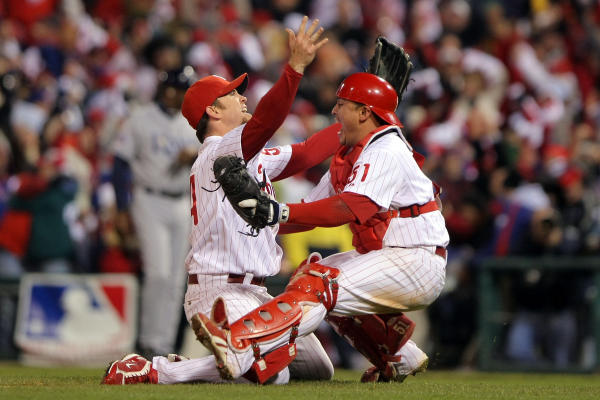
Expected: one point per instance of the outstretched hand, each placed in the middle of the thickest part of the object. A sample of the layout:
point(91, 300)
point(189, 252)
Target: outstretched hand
point(304, 44)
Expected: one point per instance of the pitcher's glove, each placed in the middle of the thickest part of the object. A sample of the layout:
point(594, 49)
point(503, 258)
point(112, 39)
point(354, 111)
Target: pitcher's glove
point(244, 193)
point(391, 63)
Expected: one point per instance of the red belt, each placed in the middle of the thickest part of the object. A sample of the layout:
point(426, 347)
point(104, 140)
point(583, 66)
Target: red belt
point(415, 210)
point(231, 278)
point(441, 251)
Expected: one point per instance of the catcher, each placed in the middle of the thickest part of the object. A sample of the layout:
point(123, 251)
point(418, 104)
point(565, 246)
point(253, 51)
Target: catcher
point(374, 184)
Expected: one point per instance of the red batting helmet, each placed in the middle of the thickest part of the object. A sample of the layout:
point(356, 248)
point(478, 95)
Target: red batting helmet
point(372, 91)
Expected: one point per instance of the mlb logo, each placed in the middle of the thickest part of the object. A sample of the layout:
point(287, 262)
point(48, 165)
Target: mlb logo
point(76, 319)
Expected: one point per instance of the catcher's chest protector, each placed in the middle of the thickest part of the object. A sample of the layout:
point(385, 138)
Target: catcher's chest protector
point(367, 236)
point(343, 162)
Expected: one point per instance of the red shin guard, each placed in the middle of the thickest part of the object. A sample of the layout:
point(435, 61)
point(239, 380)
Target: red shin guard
point(377, 337)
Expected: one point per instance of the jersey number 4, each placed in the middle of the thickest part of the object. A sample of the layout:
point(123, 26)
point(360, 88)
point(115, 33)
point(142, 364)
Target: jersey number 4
point(194, 209)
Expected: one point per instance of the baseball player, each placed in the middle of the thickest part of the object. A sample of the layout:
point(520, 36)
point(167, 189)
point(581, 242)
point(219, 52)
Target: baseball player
point(156, 146)
point(225, 260)
point(375, 184)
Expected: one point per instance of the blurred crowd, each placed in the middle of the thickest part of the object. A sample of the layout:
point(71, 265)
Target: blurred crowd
point(504, 102)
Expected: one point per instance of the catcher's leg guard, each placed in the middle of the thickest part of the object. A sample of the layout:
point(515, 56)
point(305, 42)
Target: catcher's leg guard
point(213, 335)
point(376, 336)
point(312, 284)
point(270, 364)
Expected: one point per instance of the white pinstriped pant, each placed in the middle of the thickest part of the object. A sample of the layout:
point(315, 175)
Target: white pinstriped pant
point(311, 361)
point(388, 280)
point(383, 281)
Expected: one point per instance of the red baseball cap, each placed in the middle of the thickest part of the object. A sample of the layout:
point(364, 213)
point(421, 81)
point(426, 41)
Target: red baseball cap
point(205, 91)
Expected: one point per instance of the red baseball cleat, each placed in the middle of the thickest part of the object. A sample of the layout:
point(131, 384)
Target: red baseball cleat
point(215, 340)
point(218, 314)
point(132, 369)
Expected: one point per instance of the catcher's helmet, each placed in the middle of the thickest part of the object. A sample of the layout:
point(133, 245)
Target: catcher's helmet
point(372, 91)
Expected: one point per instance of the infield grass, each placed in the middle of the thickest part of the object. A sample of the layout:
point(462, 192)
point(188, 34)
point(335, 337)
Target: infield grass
point(20, 382)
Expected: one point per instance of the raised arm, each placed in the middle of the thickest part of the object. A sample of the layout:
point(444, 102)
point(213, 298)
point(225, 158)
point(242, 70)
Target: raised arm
point(274, 107)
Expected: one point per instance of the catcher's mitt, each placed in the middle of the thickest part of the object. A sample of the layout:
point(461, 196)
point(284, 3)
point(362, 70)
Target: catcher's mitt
point(391, 63)
point(244, 192)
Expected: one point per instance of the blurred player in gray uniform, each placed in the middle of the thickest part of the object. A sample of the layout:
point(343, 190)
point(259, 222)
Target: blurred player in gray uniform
point(156, 146)
point(223, 261)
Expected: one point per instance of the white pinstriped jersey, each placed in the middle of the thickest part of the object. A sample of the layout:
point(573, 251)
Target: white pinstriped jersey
point(217, 245)
point(387, 173)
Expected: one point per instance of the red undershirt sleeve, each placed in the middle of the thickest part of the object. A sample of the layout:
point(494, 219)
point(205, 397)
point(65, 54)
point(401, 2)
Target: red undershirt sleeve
point(361, 206)
point(333, 211)
point(270, 113)
point(312, 151)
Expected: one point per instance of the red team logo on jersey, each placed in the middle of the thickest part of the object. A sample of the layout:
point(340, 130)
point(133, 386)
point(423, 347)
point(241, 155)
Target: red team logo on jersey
point(273, 151)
